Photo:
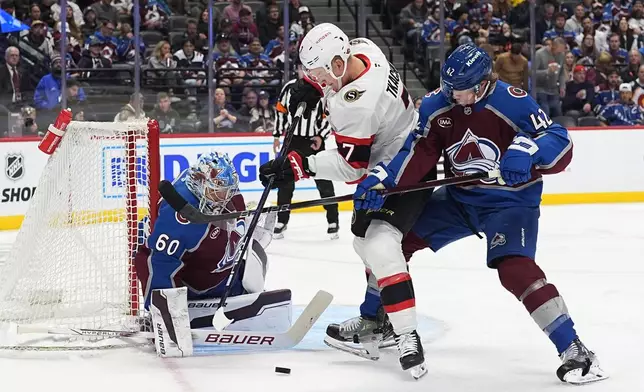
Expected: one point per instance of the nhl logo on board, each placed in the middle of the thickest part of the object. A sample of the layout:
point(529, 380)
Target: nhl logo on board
point(444, 122)
point(14, 166)
point(467, 110)
point(353, 95)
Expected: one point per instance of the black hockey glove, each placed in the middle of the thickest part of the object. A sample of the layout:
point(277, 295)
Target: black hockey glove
point(304, 91)
point(286, 169)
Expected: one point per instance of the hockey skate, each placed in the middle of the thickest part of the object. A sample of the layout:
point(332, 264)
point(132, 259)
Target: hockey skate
point(361, 336)
point(412, 357)
point(332, 231)
point(278, 231)
point(579, 365)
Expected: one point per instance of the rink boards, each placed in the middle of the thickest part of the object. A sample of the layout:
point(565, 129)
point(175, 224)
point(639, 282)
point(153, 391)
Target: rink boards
point(607, 167)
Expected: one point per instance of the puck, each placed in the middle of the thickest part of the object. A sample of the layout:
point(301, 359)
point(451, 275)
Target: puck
point(282, 370)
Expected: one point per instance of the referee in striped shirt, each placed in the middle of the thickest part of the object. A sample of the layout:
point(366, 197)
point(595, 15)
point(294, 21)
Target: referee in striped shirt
point(308, 139)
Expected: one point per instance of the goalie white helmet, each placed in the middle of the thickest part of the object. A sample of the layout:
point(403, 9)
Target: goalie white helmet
point(320, 46)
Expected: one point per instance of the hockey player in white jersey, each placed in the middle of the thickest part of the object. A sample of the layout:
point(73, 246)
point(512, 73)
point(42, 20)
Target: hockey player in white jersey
point(371, 114)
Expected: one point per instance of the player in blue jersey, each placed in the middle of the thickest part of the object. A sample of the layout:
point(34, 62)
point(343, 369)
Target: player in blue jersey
point(200, 256)
point(478, 123)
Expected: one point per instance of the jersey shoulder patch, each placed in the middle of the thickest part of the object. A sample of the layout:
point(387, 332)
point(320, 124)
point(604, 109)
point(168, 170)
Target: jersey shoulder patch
point(518, 108)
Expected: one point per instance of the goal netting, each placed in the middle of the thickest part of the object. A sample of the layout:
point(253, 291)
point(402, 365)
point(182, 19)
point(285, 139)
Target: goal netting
point(71, 265)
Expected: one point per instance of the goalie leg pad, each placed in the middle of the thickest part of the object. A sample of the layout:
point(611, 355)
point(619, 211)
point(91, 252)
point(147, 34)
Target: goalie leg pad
point(255, 268)
point(169, 309)
point(268, 311)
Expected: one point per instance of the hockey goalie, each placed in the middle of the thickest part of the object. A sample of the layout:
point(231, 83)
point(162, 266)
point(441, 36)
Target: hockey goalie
point(183, 267)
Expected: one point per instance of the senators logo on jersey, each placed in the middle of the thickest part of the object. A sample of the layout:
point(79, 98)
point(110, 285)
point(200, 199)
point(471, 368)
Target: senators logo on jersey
point(353, 95)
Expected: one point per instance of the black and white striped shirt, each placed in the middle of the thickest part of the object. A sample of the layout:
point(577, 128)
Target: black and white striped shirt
point(316, 125)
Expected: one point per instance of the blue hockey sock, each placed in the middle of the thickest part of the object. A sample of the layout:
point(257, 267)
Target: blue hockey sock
point(371, 304)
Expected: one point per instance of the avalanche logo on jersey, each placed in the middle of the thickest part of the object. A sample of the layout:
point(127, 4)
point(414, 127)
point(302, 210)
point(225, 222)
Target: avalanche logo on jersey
point(473, 154)
point(229, 255)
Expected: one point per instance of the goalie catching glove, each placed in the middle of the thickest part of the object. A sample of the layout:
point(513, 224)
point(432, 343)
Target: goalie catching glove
point(286, 169)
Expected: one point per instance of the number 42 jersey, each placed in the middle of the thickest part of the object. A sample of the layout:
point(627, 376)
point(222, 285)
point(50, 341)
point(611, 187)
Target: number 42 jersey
point(473, 139)
point(370, 117)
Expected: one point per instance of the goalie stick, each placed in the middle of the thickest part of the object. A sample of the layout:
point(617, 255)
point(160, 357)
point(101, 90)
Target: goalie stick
point(219, 320)
point(189, 212)
point(202, 338)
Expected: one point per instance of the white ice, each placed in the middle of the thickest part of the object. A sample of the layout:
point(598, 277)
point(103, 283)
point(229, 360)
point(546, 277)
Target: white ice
point(477, 336)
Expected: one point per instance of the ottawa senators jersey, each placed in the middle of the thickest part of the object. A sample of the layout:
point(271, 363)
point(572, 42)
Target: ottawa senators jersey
point(370, 117)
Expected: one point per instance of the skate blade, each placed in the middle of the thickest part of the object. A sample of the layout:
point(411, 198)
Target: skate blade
point(334, 236)
point(594, 374)
point(361, 352)
point(418, 371)
point(278, 236)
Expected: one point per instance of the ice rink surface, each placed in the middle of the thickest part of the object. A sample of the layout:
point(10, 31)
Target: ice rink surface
point(477, 336)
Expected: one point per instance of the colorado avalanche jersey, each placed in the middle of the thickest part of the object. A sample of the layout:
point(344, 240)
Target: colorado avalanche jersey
point(370, 118)
point(178, 253)
point(473, 138)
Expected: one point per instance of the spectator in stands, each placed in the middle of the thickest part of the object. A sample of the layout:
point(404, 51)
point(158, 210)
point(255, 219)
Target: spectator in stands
point(579, 95)
point(575, 23)
point(569, 64)
point(502, 9)
point(250, 102)
point(188, 57)
point(125, 50)
point(299, 25)
point(202, 26)
point(262, 117)
point(167, 117)
point(244, 30)
point(546, 23)
point(129, 111)
point(587, 28)
point(417, 102)
point(551, 79)
point(34, 14)
point(638, 88)
point(48, 91)
point(39, 38)
point(587, 49)
point(623, 113)
point(123, 7)
point(231, 11)
point(412, 18)
point(627, 38)
point(227, 63)
point(156, 17)
point(45, 10)
point(259, 64)
point(610, 94)
point(492, 26)
point(224, 113)
point(73, 29)
point(92, 59)
point(268, 30)
point(632, 70)
point(75, 101)
point(294, 7)
point(28, 116)
point(105, 34)
point(89, 25)
point(636, 22)
point(192, 34)
point(618, 53)
point(105, 11)
point(76, 12)
point(602, 69)
point(163, 63)
point(13, 79)
point(512, 67)
point(558, 30)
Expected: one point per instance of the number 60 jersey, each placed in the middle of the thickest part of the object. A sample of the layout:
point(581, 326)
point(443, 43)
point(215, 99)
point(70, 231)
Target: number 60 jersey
point(370, 117)
point(473, 139)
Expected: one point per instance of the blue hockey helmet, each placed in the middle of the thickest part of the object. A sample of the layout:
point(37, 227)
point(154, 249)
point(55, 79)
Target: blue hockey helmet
point(214, 181)
point(465, 69)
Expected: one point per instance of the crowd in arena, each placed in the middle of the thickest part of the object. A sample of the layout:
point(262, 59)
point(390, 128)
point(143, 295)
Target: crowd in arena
point(248, 57)
point(588, 58)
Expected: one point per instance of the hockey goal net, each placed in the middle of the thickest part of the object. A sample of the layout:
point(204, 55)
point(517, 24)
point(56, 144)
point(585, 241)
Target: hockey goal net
point(71, 265)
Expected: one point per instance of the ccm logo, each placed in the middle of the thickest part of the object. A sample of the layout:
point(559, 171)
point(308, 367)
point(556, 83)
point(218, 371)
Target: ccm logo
point(239, 339)
point(445, 122)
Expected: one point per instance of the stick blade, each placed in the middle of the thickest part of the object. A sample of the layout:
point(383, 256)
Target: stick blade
point(220, 321)
point(310, 316)
point(179, 204)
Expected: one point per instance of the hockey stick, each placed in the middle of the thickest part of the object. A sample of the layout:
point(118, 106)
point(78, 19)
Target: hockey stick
point(292, 337)
point(189, 212)
point(219, 320)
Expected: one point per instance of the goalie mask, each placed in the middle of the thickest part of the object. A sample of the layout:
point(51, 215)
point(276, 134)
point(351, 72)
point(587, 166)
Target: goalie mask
point(214, 181)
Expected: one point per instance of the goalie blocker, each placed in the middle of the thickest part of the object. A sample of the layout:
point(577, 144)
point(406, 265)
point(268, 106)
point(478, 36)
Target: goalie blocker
point(173, 317)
